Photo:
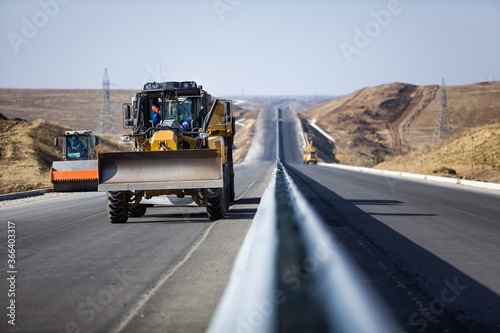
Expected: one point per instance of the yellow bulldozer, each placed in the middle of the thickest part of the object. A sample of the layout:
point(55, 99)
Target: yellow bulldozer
point(182, 145)
point(310, 155)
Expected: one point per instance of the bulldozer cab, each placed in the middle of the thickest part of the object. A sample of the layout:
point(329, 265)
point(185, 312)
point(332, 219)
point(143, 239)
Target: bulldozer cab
point(180, 110)
point(178, 102)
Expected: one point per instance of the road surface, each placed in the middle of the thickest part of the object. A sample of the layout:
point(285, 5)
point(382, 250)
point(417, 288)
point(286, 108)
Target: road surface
point(430, 252)
point(166, 271)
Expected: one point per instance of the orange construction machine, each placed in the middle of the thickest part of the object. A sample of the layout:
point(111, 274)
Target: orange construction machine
point(78, 171)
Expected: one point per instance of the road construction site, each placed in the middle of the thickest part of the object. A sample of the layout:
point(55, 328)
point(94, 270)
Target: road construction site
point(421, 256)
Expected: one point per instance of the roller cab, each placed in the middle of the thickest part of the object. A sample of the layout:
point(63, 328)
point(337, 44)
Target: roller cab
point(78, 171)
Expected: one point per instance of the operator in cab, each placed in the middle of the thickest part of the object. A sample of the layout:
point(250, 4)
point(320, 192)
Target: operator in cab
point(155, 113)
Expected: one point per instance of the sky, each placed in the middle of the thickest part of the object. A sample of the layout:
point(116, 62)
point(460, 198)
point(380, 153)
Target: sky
point(248, 47)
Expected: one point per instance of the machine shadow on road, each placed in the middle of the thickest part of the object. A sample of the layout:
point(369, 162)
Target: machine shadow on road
point(375, 202)
point(241, 211)
point(471, 302)
point(247, 201)
point(401, 214)
point(385, 203)
point(161, 215)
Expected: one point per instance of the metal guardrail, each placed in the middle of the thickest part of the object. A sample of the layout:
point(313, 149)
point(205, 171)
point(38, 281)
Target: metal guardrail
point(290, 274)
point(248, 303)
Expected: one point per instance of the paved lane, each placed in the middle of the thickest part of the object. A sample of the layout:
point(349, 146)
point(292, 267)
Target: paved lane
point(77, 272)
point(432, 251)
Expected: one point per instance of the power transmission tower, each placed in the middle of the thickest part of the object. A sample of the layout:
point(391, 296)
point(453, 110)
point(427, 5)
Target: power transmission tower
point(443, 119)
point(106, 121)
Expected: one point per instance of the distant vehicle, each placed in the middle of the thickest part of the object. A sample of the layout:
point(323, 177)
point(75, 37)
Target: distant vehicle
point(310, 155)
point(78, 171)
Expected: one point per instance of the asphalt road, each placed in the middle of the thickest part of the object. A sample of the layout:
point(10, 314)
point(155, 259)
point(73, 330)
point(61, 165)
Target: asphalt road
point(164, 272)
point(432, 252)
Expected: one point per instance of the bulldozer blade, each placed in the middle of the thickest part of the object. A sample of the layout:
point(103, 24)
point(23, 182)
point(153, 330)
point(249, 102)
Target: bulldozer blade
point(74, 176)
point(160, 170)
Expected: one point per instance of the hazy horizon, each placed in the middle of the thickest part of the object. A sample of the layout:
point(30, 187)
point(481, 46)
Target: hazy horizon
point(242, 47)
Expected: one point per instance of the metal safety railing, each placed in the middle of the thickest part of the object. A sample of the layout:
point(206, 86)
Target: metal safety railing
point(290, 274)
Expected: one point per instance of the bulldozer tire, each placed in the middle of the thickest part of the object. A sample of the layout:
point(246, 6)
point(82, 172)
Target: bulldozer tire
point(117, 207)
point(216, 208)
point(137, 211)
point(230, 166)
point(231, 189)
point(231, 195)
point(227, 188)
point(218, 199)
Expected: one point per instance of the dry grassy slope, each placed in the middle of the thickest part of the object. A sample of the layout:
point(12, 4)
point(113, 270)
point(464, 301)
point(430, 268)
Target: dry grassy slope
point(27, 151)
point(390, 119)
point(474, 154)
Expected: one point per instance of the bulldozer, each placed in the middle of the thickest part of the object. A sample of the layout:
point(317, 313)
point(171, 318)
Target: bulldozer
point(78, 171)
point(182, 145)
point(310, 155)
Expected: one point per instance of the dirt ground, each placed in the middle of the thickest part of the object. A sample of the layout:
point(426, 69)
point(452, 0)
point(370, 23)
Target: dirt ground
point(377, 124)
point(20, 169)
point(474, 155)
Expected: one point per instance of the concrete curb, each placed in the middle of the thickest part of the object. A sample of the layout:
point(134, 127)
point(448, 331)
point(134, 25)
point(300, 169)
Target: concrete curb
point(21, 195)
point(471, 183)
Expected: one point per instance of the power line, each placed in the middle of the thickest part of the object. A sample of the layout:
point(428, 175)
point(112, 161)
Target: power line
point(106, 121)
point(443, 118)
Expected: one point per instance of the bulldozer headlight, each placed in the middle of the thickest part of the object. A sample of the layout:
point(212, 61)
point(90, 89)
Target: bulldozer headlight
point(203, 135)
point(125, 138)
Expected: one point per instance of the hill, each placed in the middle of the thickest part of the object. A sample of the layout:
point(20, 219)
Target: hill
point(376, 123)
point(474, 154)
